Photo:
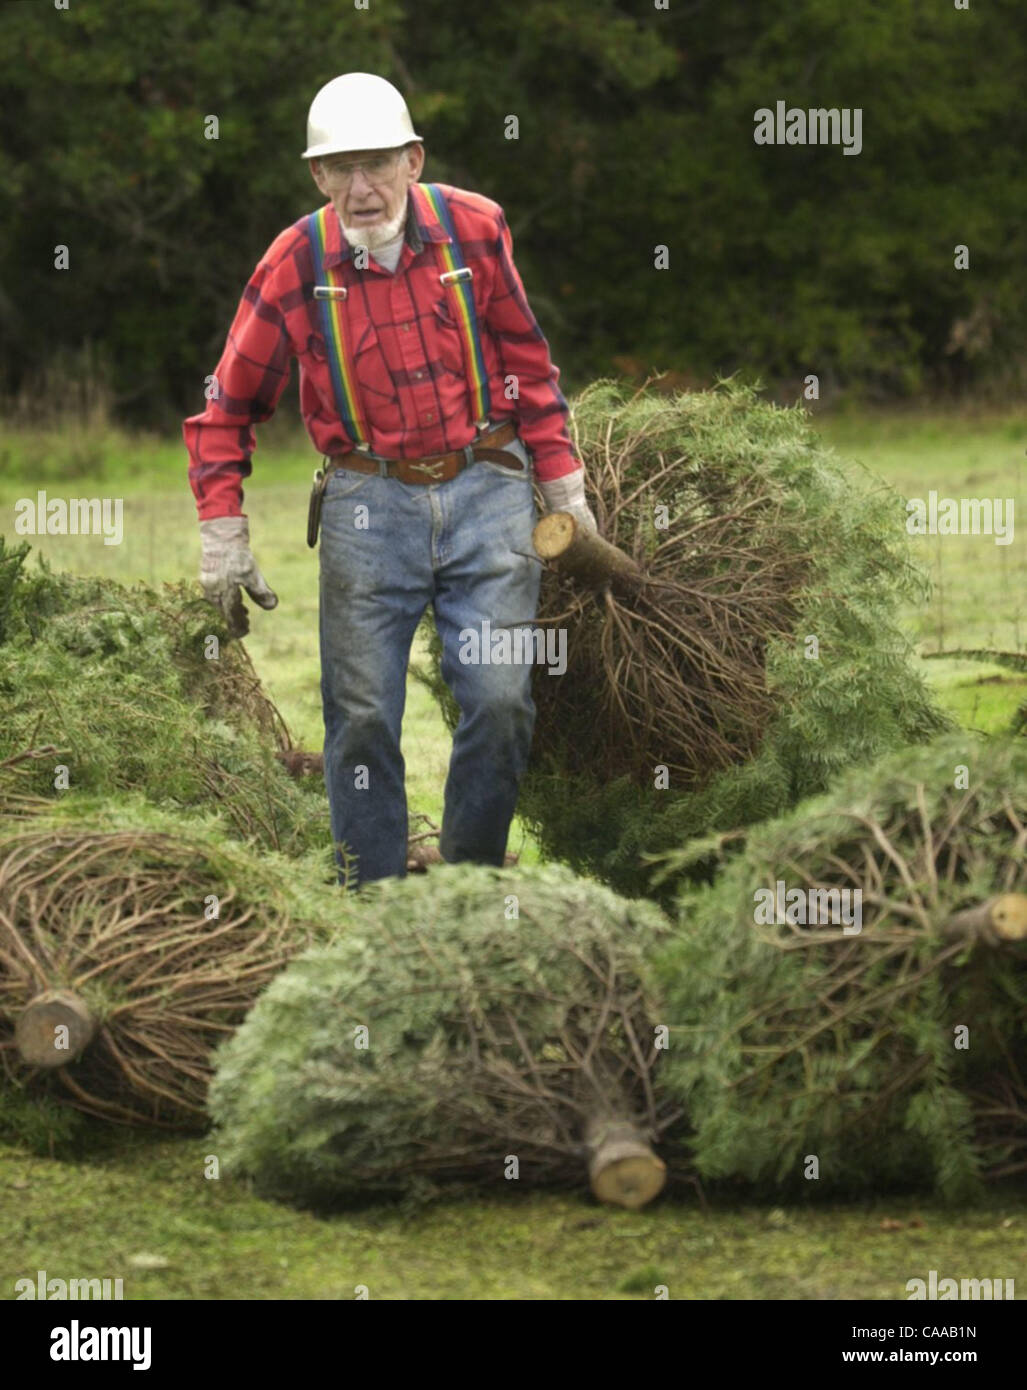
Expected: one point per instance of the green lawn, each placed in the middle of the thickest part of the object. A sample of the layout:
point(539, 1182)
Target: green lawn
point(144, 1201)
point(980, 587)
point(979, 594)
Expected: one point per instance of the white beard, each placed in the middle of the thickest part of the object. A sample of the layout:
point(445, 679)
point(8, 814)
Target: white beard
point(379, 234)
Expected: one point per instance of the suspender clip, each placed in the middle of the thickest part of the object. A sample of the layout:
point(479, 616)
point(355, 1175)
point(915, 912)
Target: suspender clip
point(338, 348)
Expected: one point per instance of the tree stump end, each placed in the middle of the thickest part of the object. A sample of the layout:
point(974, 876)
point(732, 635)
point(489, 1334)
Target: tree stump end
point(623, 1170)
point(1009, 916)
point(553, 534)
point(584, 556)
point(54, 1029)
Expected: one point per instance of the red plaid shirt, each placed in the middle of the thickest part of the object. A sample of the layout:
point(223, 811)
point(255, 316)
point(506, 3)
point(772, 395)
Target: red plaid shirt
point(407, 353)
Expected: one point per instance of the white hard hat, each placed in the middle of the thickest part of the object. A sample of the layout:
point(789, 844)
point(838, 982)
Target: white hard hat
point(357, 111)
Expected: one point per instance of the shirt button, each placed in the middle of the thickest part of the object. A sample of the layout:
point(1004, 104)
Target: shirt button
point(429, 418)
point(418, 376)
point(405, 327)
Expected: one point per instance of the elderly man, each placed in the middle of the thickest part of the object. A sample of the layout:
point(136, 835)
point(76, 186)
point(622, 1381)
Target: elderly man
point(427, 385)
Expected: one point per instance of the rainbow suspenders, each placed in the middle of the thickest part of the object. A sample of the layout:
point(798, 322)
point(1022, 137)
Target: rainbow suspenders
point(454, 274)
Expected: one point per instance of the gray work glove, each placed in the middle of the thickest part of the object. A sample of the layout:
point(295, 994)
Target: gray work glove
point(567, 494)
point(227, 565)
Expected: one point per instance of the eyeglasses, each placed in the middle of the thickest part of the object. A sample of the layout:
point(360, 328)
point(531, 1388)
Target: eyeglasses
point(377, 168)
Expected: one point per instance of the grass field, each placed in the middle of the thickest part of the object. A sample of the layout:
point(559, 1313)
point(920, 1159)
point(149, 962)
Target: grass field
point(979, 598)
point(140, 1208)
point(144, 1212)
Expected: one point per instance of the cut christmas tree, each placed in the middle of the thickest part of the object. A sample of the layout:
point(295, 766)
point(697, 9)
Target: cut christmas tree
point(106, 688)
point(848, 999)
point(131, 942)
point(737, 649)
point(478, 1027)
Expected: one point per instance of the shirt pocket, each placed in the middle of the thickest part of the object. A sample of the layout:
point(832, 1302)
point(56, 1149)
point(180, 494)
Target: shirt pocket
point(448, 339)
point(374, 380)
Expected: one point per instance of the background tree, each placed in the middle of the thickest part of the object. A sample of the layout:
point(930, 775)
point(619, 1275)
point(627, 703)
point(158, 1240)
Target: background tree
point(636, 129)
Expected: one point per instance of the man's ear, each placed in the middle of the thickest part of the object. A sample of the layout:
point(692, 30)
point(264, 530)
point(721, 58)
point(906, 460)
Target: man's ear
point(316, 174)
point(415, 160)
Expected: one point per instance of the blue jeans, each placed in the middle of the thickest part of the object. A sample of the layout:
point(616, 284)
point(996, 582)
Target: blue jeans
point(388, 549)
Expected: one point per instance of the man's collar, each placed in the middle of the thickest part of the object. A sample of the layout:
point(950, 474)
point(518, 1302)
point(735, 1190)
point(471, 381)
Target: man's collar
point(422, 225)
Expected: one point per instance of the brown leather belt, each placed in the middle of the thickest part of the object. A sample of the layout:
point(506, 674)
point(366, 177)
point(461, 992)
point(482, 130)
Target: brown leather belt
point(437, 468)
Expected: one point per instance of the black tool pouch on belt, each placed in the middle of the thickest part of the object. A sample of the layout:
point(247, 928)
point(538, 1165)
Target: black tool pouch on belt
point(314, 510)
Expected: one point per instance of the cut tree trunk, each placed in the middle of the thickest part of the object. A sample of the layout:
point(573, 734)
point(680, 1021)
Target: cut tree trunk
point(996, 920)
point(40, 1035)
point(584, 556)
point(622, 1167)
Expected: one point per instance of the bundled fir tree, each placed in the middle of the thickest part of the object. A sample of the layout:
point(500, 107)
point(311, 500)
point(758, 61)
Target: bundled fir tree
point(137, 749)
point(131, 942)
point(885, 1035)
point(459, 1025)
point(132, 689)
point(747, 653)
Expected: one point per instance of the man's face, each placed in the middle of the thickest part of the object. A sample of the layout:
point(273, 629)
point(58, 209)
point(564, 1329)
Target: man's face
point(368, 189)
